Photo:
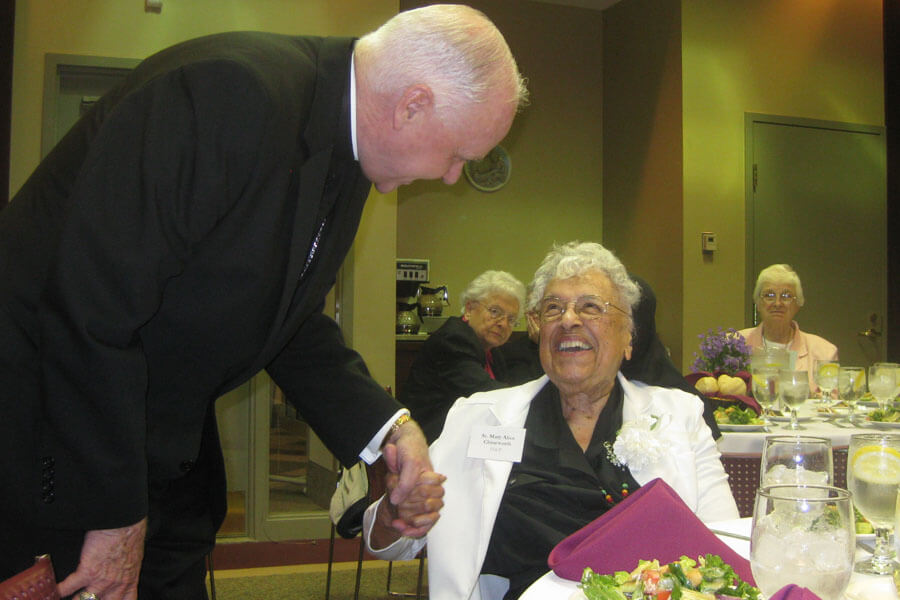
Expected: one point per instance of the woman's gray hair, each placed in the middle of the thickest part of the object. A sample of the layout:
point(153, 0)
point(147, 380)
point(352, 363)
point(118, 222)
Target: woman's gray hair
point(575, 259)
point(454, 49)
point(779, 274)
point(493, 282)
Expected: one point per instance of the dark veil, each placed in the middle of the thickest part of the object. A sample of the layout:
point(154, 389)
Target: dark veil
point(650, 360)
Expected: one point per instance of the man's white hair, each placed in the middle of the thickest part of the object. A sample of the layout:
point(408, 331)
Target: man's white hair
point(454, 49)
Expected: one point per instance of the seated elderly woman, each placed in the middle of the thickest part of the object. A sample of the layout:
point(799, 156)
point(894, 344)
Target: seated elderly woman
point(501, 518)
point(778, 296)
point(456, 359)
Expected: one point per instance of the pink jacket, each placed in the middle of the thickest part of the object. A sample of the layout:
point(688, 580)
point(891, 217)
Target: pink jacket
point(809, 347)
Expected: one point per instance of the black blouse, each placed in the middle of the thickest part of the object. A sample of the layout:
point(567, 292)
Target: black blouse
point(555, 490)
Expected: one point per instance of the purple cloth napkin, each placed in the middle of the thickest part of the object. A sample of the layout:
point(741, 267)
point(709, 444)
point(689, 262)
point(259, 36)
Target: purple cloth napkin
point(794, 592)
point(653, 522)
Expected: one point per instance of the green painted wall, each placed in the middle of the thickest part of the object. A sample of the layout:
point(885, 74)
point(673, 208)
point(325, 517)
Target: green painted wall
point(818, 59)
point(555, 189)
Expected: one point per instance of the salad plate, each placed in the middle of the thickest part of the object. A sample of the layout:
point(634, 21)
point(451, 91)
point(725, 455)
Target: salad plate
point(883, 424)
point(787, 419)
point(747, 427)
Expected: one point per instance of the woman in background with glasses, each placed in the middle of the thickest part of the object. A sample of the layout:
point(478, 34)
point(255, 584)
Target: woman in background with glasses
point(529, 465)
point(456, 360)
point(778, 296)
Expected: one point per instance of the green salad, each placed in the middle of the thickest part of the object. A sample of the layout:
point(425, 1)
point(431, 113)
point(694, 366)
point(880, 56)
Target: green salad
point(708, 578)
point(890, 415)
point(734, 415)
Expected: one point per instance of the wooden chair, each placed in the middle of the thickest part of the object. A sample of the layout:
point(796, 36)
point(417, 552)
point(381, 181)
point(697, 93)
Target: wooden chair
point(348, 526)
point(376, 473)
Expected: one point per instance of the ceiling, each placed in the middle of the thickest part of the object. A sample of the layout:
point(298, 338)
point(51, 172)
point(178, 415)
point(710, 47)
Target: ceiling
point(594, 4)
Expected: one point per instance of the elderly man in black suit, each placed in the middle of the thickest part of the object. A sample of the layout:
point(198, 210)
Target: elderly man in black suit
point(180, 238)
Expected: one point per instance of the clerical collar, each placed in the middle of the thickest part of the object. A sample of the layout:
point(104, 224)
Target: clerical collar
point(353, 106)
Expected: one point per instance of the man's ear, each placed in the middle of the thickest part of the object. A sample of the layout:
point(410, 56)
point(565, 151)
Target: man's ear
point(415, 102)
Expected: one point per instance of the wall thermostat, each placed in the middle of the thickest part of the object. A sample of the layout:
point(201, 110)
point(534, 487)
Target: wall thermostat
point(708, 241)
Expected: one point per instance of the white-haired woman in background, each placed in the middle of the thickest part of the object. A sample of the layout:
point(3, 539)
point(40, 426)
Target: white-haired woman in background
point(456, 360)
point(502, 516)
point(778, 296)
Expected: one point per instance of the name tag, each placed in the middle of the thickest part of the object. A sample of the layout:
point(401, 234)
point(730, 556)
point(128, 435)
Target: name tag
point(497, 443)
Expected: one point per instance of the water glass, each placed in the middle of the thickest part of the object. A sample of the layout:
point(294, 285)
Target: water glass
point(882, 383)
point(778, 358)
point(873, 474)
point(896, 367)
point(765, 389)
point(851, 387)
point(794, 392)
point(826, 375)
point(803, 534)
point(796, 459)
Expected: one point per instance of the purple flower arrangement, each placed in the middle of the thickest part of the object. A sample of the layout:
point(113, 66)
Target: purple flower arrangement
point(724, 351)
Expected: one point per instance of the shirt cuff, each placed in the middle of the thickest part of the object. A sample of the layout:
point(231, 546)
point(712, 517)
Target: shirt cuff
point(372, 451)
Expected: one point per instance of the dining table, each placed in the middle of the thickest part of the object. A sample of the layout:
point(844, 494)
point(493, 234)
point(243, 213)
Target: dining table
point(736, 534)
point(749, 439)
point(741, 445)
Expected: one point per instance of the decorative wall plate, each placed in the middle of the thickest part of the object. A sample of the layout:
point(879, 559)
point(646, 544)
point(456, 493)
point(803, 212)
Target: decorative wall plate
point(490, 173)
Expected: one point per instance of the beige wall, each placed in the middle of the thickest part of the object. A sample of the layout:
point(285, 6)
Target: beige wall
point(642, 194)
point(122, 29)
point(554, 192)
point(819, 59)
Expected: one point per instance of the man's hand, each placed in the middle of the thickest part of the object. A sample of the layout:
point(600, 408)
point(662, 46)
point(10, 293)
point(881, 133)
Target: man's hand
point(110, 563)
point(415, 516)
point(406, 454)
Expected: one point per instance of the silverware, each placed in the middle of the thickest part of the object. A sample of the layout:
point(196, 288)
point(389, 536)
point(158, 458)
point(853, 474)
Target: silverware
point(737, 536)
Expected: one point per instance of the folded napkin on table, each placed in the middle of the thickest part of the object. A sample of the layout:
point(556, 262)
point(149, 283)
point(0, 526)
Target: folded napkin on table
point(793, 592)
point(653, 522)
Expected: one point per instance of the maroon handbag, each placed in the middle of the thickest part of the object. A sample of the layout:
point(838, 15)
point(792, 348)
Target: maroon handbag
point(34, 583)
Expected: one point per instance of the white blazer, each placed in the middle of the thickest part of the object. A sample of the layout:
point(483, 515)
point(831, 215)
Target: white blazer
point(458, 542)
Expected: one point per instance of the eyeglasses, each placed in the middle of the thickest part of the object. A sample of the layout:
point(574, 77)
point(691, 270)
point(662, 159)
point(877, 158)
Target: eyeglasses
point(586, 307)
point(769, 297)
point(495, 313)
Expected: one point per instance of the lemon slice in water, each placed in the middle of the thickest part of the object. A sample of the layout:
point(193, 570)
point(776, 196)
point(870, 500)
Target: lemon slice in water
point(876, 464)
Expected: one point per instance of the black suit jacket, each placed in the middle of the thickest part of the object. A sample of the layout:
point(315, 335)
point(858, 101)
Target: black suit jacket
point(179, 239)
point(450, 365)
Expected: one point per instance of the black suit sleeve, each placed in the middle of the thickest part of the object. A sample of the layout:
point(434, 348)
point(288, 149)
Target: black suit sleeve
point(331, 387)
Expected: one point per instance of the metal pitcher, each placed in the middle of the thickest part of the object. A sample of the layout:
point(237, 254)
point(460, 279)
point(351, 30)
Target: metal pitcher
point(432, 300)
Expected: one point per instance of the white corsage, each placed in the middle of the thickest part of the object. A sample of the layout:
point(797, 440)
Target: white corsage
point(637, 444)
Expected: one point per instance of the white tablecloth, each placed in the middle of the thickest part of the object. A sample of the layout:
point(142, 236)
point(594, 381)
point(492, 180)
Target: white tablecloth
point(861, 587)
point(838, 432)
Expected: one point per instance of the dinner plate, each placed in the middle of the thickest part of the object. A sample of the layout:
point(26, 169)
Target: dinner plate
point(748, 427)
point(833, 411)
point(883, 424)
point(787, 419)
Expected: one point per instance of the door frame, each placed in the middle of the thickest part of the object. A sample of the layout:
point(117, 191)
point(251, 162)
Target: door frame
point(749, 120)
point(57, 65)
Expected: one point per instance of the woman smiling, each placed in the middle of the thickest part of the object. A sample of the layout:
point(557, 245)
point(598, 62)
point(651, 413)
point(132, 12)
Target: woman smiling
point(585, 438)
